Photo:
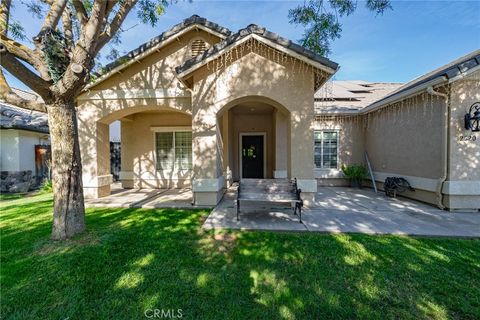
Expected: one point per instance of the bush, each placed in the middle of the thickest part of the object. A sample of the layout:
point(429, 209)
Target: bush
point(355, 172)
point(46, 186)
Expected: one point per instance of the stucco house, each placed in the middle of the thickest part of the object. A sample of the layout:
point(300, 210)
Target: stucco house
point(22, 134)
point(201, 107)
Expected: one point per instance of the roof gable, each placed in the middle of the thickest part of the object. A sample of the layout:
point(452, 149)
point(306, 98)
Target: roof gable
point(262, 35)
point(147, 48)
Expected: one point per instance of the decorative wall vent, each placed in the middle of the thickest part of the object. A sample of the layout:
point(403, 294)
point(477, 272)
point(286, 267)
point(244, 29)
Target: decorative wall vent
point(198, 46)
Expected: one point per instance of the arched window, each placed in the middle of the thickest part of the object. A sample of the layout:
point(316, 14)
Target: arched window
point(197, 46)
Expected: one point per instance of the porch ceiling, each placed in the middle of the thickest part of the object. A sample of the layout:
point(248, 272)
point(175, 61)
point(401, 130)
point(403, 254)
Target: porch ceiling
point(253, 108)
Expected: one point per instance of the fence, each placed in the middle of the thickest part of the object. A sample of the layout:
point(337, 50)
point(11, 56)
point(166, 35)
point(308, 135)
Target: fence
point(115, 160)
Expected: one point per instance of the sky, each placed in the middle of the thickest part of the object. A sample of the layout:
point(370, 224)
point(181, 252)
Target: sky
point(400, 45)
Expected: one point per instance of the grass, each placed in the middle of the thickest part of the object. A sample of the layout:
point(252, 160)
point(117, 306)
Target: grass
point(132, 260)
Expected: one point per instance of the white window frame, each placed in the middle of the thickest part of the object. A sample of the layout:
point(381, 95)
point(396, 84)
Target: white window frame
point(170, 130)
point(322, 167)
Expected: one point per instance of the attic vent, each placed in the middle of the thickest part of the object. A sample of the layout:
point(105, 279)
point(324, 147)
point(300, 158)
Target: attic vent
point(336, 99)
point(360, 91)
point(197, 47)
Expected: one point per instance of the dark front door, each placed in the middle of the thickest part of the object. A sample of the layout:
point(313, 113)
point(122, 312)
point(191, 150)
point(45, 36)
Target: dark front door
point(252, 157)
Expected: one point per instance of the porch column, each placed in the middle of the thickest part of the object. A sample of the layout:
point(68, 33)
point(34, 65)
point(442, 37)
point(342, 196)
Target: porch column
point(95, 152)
point(226, 148)
point(208, 181)
point(301, 154)
point(128, 140)
point(281, 145)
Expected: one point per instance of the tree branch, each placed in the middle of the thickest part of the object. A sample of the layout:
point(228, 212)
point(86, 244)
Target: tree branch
point(53, 16)
point(4, 16)
point(67, 26)
point(112, 28)
point(110, 5)
point(6, 93)
point(22, 73)
point(20, 51)
point(80, 11)
point(83, 53)
point(8, 96)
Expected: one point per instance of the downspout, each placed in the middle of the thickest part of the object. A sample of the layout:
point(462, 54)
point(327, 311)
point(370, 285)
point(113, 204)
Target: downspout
point(445, 133)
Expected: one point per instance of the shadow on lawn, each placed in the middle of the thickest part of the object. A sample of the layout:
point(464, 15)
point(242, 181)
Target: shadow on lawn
point(133, 260)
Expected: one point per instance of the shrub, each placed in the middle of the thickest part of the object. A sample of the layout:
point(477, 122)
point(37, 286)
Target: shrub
point(46, 186)
point(355, 172)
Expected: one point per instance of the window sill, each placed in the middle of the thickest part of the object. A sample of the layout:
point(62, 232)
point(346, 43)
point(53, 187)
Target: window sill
point(328, 173)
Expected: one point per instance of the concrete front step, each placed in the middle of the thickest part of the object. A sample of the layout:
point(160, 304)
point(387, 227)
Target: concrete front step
point(266, 181)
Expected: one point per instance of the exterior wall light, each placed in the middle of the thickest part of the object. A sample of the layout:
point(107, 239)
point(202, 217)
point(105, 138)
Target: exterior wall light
point(472, 118)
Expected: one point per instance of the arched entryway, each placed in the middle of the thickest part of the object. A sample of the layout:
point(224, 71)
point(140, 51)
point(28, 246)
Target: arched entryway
point(254, 135)
point(156, 149)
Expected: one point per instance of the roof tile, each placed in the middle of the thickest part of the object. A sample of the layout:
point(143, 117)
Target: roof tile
point(194, 19)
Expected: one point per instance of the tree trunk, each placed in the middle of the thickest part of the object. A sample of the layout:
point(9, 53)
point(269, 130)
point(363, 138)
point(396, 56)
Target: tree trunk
point(68, 206)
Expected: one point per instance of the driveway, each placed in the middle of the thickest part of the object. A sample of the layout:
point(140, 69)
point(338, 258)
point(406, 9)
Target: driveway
point(340, 209)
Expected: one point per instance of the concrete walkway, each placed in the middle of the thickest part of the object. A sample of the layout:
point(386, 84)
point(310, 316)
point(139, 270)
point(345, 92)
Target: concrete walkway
point(349, 210)
point(144, 198)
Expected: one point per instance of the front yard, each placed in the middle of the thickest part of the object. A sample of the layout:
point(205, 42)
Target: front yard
point(133, 261)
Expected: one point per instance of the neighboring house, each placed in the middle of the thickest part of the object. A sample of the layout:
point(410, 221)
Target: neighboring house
point(23, 135)
point(201, 106)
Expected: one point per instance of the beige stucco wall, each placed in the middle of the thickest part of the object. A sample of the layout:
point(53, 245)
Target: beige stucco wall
point(144, 86)
point(462, 188)
point(351, 146)
point(407, 138)
point(138, 151)
point(254, 77)
point(157, 70)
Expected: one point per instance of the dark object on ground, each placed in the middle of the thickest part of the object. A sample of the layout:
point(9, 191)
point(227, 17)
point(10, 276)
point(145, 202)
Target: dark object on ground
point(393, 185)
point(16, 181)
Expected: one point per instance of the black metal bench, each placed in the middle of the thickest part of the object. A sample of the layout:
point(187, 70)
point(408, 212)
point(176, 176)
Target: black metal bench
point(270, 190)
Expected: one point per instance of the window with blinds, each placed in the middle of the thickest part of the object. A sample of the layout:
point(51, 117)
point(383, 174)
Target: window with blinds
point(326, 149)
point(197, 47)
point(174, 150)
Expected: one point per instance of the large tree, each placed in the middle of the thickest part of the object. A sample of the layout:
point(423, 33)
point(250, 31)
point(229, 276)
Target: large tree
point(57, 65)
point(321, 20)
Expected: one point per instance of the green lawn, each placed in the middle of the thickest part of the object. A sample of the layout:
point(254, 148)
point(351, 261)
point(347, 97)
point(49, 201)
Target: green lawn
point(131, 260)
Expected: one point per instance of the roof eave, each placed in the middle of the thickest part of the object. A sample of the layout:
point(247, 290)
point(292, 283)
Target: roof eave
point(404, 94)
point(331, 71)
point(151, 50)
point(25, 128)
